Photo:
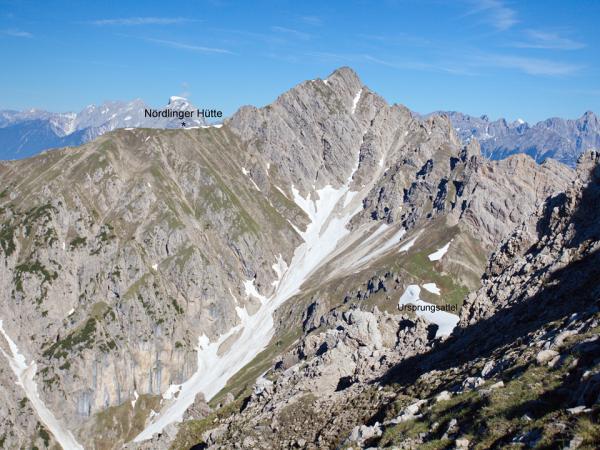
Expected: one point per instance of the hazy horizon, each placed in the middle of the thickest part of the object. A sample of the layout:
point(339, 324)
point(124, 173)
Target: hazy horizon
point(500, 58)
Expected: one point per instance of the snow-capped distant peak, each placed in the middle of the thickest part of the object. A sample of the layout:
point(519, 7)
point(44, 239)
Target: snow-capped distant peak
point(520, 121)
point(176, 99)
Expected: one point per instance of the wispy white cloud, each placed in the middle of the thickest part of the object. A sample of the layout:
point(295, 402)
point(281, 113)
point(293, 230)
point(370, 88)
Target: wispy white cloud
point(531, 66)
point(105, 64)
point(311, 20)
point(334, 57)
point(494, 13)
point(422, 66)
point(285, 57)
point(461, 64)
point(135, 21)
point(548, 40)
point(16, 33)
point(291, 32)
point(428, 66)
point(191, 47)
point(253, 36)
point(397, 39)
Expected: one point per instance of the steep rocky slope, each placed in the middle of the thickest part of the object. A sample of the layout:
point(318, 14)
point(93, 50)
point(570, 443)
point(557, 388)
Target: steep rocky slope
point(521, 370)
point(150, 268)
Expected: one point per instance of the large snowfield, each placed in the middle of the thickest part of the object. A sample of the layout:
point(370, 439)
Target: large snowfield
point(326, 237)
point(328, 220)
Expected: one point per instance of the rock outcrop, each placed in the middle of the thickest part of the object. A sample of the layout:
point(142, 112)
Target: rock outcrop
point(521, 368)
point(128, 260)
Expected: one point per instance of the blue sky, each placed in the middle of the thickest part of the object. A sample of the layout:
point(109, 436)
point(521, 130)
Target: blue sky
point(533, 59)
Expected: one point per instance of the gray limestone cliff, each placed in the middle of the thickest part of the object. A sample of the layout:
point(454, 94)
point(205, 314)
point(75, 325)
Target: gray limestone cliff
point(118, 257)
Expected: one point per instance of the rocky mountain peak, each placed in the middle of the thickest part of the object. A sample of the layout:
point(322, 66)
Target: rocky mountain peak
point(163, 252)
point(589, 122)
point(589, 115)
point(345, 77)
point(557, 138)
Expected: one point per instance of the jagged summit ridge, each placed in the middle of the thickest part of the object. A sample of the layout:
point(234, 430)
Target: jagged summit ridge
point(159, 252)
point(528, 341)
point(557, 138)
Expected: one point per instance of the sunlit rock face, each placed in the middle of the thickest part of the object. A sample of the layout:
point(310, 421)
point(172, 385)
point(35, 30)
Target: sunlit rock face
point(149, 269)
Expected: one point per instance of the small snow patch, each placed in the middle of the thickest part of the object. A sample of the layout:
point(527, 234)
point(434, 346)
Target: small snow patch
point(406, 247)
point(135, 397)
point(171, 391)
point(432, 287)
point(251, 291)
point(444, 320)
point(355, 101)
point(383, 248)
point(280, 268)
point(281, 190)
point(437, 255)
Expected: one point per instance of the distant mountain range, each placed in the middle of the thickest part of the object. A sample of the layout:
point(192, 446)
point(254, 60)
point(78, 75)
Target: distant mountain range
point(26, 133)
point(562, 139)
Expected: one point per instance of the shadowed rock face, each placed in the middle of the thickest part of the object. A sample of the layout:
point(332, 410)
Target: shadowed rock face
point(119, 255)
point(527, 345)
point(567, 232)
